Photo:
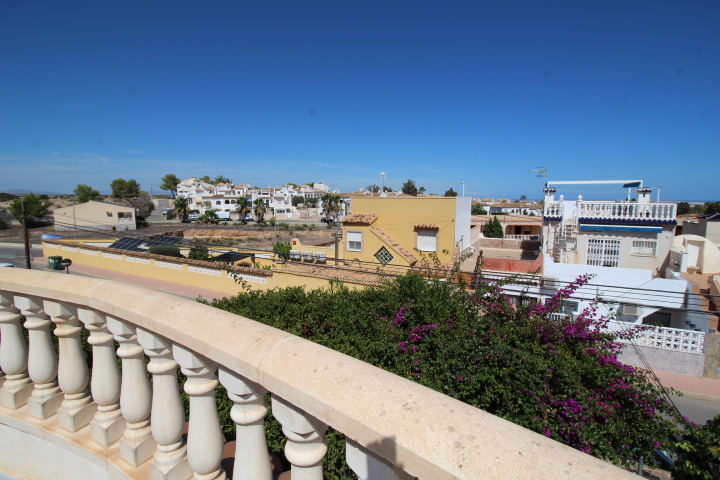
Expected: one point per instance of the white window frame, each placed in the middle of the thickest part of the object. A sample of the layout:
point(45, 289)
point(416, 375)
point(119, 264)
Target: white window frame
point(426, 233)
point(644, 248)
point(352, 238)
point(603, 252)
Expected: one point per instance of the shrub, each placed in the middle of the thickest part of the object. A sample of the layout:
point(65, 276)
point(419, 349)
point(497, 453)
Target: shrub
point(284, 225)
point(166, 250)
point(282, 250)
point(699, 453)
point(560, 378)
point(3, 224)
point(198, 252)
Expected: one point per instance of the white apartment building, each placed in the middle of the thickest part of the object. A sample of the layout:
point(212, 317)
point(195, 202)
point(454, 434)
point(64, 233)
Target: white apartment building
point(627, 234)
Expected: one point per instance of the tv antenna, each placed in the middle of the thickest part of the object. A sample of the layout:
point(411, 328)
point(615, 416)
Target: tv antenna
point(541, 172)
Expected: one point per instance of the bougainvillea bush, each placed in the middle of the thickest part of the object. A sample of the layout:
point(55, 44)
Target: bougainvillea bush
point(558, 377)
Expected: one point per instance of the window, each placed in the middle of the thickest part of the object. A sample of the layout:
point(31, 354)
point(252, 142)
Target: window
point(383, 256)
point(354, 241)
point(644, 247)
point(217, 202)
point(427, 240)
point(124, 214)
point(603, 252)
point(569, 307)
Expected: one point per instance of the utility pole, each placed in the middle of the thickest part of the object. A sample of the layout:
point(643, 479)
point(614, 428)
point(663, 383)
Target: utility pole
point(338, 237)
point(27, 237)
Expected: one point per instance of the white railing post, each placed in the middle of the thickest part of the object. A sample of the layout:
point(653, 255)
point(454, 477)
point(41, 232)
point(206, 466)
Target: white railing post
point(42, 361)
point(17, 387)
point(136, 444)
point(77, 409)
point(205, 438)
point(167, 414)
point(306, 445)
point(251, 453)
point(369, 466)
point(108, 425)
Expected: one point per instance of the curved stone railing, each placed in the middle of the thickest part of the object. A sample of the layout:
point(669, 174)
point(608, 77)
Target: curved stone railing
point(126, 428)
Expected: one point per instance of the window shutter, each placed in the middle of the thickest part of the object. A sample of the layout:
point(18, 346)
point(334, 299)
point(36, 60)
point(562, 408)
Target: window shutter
point(427, 240)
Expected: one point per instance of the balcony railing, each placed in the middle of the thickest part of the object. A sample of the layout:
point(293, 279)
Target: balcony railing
point(626, 211)
point(523, 237)
point(664, 338)
point(126, 427)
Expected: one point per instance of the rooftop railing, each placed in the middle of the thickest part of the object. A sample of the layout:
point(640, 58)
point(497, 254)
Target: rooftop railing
point(127, 427)
point(626, 211)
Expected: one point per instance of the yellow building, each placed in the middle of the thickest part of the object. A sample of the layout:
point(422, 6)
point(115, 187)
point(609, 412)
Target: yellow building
point(400, 231)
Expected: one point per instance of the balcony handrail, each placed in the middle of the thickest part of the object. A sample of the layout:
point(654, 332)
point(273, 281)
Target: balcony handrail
point(427, 434)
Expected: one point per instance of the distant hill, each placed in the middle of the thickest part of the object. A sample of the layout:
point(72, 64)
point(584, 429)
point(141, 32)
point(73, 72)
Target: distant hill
point(20, 191)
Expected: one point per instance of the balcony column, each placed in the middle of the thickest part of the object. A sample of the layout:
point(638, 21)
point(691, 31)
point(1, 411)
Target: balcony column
point(42, 361)
point(306, 445)
point(167, 412)
point(108, 425)
point(136, 444)
point(205, 438)
point(77, 409)
point(17, 387)
point(369, 466)
point(251, 453)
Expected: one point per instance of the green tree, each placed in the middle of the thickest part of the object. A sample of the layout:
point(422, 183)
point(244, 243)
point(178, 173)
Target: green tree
point(170, 183)
point(387, 189)
point(699, 453)
point(409, 188)
point(331, 207)
point(493, 229)
point(373, 188)
point(85, 193)
point(297, 200)
point(282, 250)
point(450, 193)
point(206, 179)
point(523, 198)
point(198, 252)
point(221, 179)
point(122, 188)
point(311, 202)
point(243, 208)
point(210, 217)
point(36, 209)
point(477, 209)
point(260, 209)
point(683, 208)
point(182, 208)
point(712, 207)
point(166, 250)
point(422, 190)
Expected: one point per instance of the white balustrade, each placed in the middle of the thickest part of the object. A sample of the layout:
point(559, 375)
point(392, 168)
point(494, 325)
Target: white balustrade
point(664, 338)
point(167, 413)
point(395, 429)
point(77, 409)
point(17, 388)
point(108, 425)
point(626, 211)
point(553, 209)
point(306, 446)
point(136, 444)
point(42, 361)
point(205, 438)
point(251, 454)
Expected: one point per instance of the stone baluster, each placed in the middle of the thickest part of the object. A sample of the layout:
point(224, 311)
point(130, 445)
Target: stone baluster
point(108, 425)
point(167, 413)
point(369, 466)
point(251, 454)
point(205, 438)
point(77, 408)
point(17, 387)
point(137, 444)
point(42, 361)
point(306, 445)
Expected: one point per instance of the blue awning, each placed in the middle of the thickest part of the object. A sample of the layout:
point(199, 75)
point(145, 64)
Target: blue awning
point(619, 228)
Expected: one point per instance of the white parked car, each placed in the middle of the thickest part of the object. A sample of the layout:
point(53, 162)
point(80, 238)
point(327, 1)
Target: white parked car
point(7, 265)
point(193, 217)
point(166, 211)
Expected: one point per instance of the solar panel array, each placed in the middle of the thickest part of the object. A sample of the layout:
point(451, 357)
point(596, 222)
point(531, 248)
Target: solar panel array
point(129, 243)
point(164, 240)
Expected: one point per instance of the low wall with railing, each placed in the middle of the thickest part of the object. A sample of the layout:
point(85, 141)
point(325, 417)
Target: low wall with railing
point(125, 427)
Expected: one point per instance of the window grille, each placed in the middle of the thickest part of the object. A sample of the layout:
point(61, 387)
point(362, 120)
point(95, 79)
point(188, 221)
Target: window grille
point(603, 252)
point(383, 256)
point(644, 247)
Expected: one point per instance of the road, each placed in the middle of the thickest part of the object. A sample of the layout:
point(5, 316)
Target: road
point(15, 254)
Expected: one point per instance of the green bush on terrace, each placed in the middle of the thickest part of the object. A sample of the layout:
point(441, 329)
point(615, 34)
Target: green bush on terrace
point(166, 250)
point(560, 378)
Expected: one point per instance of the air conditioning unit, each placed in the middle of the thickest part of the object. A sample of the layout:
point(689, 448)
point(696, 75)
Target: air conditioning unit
point(307, 256)
point(319, 256)
point(552, 283)
point(632, 310)
point(294, 255)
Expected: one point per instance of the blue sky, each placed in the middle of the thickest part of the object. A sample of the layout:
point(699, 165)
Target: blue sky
point(440, 92)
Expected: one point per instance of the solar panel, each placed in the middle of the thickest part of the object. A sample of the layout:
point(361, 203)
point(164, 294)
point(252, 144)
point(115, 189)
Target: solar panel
point(128, 243)
point(164, 240)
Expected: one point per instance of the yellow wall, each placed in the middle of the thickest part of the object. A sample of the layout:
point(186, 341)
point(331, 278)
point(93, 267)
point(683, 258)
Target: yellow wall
point(94, 215)
point(148, 268)
point(397, 218)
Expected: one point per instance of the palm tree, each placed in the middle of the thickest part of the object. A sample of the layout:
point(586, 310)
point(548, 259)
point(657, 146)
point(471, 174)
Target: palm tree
point(182, 207)
point(331, 207)
point(243, 208)
point(523, 198)
point(259, 209)
point(421, 190)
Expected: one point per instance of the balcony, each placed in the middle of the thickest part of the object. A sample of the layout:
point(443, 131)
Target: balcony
point(128, 428)
point(613, 212)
